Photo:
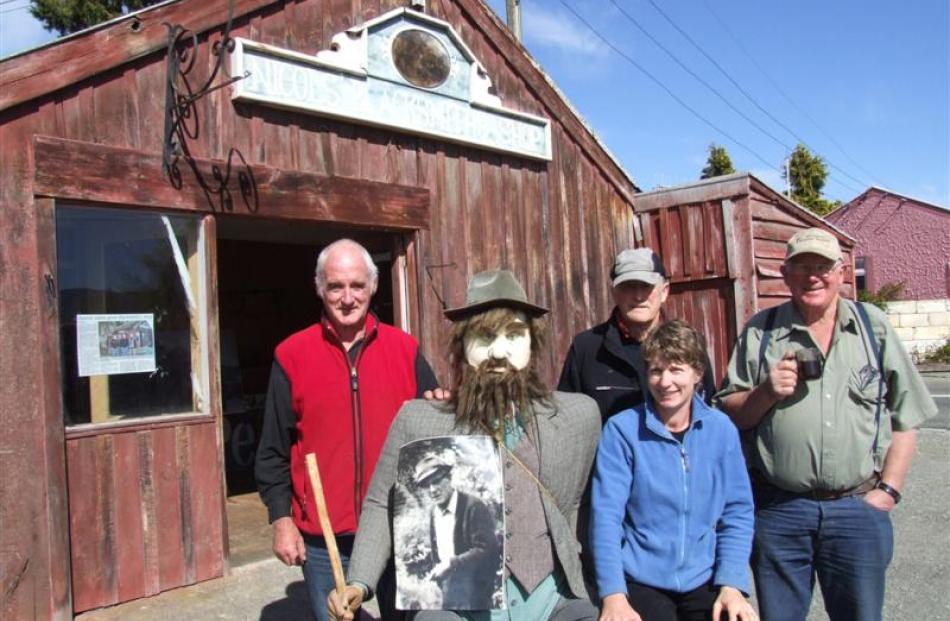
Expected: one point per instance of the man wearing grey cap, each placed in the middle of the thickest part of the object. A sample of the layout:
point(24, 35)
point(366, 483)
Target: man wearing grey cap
point(605, 362)
point(546, 442)
point(831, 402)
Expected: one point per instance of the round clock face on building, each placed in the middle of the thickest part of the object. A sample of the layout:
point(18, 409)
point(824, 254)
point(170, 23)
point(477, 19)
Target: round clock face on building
point(421, 58)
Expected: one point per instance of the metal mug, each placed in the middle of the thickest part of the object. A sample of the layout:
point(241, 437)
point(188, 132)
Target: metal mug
point(809, 362)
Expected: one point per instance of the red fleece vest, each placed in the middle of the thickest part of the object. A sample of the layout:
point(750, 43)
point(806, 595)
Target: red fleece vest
point(343, 422)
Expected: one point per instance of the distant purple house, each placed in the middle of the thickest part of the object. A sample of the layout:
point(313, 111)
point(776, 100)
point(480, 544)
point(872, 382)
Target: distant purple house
point(899, 238)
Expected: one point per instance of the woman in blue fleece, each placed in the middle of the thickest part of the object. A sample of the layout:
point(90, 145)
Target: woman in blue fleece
point(671, 507)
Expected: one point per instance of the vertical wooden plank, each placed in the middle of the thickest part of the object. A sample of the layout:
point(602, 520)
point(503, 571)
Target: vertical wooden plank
point(743, 244)
point(206, 501)
point(57, 510)
point(129, 533)
point(171, 552)
point(184, 471)
point(218, 533)
point(150, 506)
point(84, 511)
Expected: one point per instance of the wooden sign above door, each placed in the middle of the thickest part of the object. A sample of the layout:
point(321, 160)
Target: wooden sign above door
point(405, 71)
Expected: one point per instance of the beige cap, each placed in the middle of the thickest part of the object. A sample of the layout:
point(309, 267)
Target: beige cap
point(813, 241)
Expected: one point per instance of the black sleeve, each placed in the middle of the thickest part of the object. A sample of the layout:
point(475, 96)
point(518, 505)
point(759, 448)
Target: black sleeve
point(278, 433)
point(570, 380)
point(709, 383)
point(425, 378)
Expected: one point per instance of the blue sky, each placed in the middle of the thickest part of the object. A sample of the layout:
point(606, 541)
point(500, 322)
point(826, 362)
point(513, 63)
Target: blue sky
point(863, 82)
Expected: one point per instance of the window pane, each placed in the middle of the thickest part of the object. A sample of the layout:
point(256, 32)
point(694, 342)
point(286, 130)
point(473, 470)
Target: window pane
point(129, 330)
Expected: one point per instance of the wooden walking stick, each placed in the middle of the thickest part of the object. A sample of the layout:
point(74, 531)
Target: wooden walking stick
point(335, 564)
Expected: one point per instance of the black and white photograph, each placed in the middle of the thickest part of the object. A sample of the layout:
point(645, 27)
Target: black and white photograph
point(448, 525)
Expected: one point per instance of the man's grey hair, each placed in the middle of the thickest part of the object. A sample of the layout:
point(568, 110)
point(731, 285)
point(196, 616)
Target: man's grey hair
point(321, 271)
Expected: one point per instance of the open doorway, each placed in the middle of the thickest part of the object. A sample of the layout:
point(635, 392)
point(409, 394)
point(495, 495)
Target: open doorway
point(265, 293)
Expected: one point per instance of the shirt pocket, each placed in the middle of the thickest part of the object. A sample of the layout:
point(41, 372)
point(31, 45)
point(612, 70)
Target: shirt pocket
point(864, 386)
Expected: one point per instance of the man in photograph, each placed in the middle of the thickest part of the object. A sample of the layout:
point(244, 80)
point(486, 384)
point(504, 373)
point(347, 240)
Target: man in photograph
point(463, 540)
point(546, 442)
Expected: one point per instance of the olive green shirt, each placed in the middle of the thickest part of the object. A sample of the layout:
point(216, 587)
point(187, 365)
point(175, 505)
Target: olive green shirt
point(822, 436)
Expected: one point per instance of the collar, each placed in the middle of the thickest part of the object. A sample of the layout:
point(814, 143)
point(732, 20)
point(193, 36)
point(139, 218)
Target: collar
point(621, 326)
point(654, 424)
point(452, 506)
point(369, 327)
point(844, 317)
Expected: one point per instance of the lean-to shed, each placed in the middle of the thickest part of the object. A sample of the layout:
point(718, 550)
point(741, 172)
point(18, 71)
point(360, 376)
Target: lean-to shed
point(723, 241)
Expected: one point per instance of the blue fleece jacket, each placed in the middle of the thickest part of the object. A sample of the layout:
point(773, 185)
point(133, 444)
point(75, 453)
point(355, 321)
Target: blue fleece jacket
point(666, 514)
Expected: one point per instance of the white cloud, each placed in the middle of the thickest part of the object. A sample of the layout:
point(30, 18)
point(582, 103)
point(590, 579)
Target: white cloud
point(20, 31)
point(557, 29)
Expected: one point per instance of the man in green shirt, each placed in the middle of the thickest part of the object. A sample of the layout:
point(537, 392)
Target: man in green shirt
point(831, 439)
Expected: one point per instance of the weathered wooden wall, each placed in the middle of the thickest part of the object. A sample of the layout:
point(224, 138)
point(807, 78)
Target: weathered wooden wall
point(691, 240)
point(557, 225)
point(772, 227)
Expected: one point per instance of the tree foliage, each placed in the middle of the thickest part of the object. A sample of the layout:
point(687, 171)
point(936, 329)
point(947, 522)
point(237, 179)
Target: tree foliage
point(718, 162)
point(68, 16)
point(806, 175)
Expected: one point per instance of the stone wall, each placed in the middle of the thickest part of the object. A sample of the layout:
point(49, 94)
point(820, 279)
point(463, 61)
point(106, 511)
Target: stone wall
point(922, 325)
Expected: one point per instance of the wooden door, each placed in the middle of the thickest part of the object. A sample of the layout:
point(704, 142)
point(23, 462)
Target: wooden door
point(143, 453)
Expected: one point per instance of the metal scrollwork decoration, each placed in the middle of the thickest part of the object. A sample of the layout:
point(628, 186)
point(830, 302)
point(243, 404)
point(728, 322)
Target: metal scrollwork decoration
point(181, 114)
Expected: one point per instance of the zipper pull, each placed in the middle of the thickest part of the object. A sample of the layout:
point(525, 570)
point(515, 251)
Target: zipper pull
point(354, 380)
point(685, 459)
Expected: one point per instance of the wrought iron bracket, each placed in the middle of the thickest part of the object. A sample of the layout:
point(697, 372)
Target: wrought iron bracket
point(181, 113)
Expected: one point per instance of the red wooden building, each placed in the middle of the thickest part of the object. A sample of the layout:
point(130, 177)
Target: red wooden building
point(153, 255)
point(114, 452)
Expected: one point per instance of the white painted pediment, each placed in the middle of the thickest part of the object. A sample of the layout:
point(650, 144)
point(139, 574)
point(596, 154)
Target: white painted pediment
point(403, 70)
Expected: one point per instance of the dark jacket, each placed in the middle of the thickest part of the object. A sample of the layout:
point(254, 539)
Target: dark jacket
point(607, 367)
point(471, 579)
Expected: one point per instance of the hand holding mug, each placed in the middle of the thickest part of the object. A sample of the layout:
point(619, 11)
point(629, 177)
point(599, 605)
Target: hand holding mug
point(783, 377)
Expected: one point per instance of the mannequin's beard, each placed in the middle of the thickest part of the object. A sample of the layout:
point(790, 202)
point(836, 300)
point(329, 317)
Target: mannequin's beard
point(486, 394)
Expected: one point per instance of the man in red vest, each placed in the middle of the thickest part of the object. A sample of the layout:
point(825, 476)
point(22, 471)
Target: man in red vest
point(334, 389)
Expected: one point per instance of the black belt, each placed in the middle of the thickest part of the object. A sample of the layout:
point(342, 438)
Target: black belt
point(820, 494)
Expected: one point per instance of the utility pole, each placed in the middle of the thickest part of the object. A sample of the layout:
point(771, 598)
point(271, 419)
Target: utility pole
point(514, 18)
point(788, 176)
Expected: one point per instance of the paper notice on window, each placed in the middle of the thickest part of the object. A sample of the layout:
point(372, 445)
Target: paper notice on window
point(115, 344)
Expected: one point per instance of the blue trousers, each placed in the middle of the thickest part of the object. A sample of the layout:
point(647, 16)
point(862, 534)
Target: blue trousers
point(318, 575)
point(846, 543)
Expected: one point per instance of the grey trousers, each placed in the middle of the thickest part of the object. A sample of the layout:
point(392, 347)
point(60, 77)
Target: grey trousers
point(566, 610)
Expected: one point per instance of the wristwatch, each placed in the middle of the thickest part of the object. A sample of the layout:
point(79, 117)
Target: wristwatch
point(890, 491)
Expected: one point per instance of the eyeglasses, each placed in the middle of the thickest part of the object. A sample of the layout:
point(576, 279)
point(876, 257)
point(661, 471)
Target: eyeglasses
point(811, 269)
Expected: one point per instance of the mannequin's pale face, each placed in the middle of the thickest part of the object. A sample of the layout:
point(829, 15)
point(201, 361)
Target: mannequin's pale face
point(512, 343)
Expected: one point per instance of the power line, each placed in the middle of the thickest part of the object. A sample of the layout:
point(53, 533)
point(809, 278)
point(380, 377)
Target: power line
point(718, 93)
point(731, 79)
point(746, 93)
point(657, 81)
point(16, 8)
point(699, 78)
point(2, 2)
point(782, 92)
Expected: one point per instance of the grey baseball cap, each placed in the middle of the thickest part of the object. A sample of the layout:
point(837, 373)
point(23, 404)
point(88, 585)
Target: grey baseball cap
point(640, 264)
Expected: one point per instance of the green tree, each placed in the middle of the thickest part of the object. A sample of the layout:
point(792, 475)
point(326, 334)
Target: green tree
point(68, 16)
point(806, 175)
point(718, 162)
